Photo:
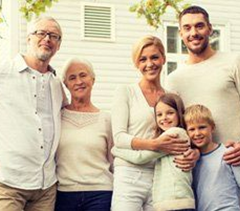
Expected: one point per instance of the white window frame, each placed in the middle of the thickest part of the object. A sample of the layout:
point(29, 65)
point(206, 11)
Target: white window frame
point(173, 57)
point(112, 36)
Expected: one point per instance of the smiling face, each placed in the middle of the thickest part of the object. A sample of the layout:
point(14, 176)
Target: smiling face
point(150, 63)
point(166, 116)
point(200, 133)
point(195, 32)
point(43, 48)
point(79, 81)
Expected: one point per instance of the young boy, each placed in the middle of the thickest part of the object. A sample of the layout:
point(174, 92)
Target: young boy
point(216, 184)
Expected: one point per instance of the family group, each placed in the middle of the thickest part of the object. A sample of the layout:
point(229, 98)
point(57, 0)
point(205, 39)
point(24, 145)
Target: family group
point(171, 147)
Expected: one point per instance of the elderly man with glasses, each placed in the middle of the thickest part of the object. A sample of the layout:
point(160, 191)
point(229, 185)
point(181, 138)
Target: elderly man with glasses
point(31, 100)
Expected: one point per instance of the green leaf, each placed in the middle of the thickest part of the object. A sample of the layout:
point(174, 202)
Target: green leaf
point(48, 3)
point(153, 10)
point(32, 8)
point(133, 8)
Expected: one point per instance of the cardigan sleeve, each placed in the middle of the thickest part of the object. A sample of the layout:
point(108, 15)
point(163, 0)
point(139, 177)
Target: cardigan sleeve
point(145, 156)
point(120, 117)
point(109, 141)
point(136, 156)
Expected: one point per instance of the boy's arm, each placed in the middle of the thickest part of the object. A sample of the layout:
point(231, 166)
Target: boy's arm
point(136, 156)
point(235, 169)
point(236, 172)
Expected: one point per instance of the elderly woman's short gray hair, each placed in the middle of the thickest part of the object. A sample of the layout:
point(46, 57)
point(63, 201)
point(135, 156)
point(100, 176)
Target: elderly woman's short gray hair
point(73, 60)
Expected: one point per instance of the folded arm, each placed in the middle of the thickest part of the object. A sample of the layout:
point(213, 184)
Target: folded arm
point(136, 156)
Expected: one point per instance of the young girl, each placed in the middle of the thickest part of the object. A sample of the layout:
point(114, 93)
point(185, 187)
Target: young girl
point(171, 186)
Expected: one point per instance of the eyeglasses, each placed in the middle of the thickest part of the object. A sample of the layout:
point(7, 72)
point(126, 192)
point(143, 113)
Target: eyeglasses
point(42, 34)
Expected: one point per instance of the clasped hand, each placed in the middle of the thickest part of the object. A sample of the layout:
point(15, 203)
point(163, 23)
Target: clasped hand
point(173, 145)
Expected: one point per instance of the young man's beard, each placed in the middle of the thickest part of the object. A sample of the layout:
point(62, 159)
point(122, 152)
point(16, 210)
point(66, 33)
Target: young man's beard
point(201, 49)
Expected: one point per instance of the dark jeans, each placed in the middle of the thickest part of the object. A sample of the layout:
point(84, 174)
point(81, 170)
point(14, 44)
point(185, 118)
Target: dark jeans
point(83, 201)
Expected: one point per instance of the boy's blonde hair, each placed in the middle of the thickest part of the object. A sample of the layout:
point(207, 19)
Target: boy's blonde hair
point(196, 113)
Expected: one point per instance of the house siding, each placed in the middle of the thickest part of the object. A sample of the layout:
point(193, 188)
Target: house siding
point(112, 60)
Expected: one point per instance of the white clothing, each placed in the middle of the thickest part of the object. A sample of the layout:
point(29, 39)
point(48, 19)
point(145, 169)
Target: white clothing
point(171, 186)
point(22, 159)
point(44, 108)
point(132, 188)
point(131, 117)
point(83, 156)
point(214, 83)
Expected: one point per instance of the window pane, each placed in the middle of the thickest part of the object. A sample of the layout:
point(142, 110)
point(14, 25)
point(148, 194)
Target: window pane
point(172, 38)
point(171, 66)
point(184, 48)
point(215, 39)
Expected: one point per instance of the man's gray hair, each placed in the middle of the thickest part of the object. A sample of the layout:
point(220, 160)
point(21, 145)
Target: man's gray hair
point(33, 23)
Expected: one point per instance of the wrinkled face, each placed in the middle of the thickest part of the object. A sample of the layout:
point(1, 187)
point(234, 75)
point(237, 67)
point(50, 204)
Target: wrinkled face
point(200, 133)
point(43, 48)
point(195, 32)
point(166, 116)
point(150, 62)
point(79, 81)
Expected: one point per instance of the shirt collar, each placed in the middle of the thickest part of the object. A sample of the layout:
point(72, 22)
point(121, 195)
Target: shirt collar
point(21, 66)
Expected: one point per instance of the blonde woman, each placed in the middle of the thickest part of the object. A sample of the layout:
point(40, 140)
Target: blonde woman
point(133, 126)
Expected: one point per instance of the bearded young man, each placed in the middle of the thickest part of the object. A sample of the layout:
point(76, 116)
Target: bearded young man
point(210, 78)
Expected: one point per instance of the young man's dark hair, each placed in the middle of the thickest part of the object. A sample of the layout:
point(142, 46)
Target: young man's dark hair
point(194, 10)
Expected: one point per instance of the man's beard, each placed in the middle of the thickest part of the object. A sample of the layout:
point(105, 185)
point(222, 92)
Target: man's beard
point(43, 56)
point(201, 49)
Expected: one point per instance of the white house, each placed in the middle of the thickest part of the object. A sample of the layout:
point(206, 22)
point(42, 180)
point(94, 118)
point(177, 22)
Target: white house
point(103, 31)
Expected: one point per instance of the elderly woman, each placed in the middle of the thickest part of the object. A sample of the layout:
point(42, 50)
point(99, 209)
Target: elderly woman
point(83, 156)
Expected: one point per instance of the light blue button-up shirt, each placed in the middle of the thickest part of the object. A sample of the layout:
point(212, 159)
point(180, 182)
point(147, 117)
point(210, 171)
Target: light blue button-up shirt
point(44, 108)
point(23, 160)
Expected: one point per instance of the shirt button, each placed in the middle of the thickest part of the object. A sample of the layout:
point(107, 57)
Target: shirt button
point(35, 112)
point(33, 77)
point(41, 147)
point(40, 129)
point(35, 95)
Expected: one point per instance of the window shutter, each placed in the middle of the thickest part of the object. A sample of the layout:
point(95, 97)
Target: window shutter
point(98, 22)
